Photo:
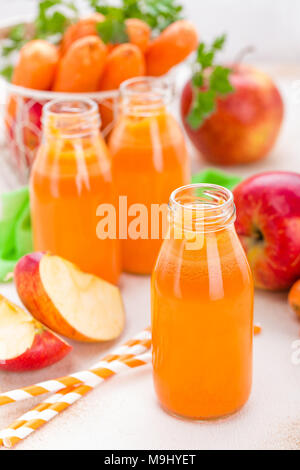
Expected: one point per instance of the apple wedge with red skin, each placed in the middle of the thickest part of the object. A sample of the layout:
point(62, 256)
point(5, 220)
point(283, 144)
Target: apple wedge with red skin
point(70, 302)
point(25, 344)
point(268, 224)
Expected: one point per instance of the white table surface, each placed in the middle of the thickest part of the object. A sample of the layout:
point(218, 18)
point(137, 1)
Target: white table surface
point(124, 414)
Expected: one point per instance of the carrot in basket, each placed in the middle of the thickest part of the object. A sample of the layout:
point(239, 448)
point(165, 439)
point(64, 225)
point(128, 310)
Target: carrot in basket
point(80, 69)
point(124, 62)
point(171, 47)
point(84, 27)
point(139, 33)
point(37, 65)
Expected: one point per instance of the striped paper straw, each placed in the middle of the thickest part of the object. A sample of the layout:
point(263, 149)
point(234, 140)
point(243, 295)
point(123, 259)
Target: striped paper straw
point(33, 414)
point(12, 436)
point(138, 345)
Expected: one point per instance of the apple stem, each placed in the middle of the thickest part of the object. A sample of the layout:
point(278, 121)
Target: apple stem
point(243, 52)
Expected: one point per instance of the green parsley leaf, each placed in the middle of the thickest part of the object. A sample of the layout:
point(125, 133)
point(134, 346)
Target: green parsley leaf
point(7, 72)
point(205, 58)
point(204, 105)
point(17, 33)
point(53, 17)
point(198, 79)
point(219, 42)
point(219, 80)
point(14, 41)
point(112, 31)
point(210, 81)
point(158, 14)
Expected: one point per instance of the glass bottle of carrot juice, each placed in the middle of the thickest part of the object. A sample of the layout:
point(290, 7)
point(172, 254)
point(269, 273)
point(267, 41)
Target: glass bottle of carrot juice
point(70, 179)
point(149, 160)
point(202, 308)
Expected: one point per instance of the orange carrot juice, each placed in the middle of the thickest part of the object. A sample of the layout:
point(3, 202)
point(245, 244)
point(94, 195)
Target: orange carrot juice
point(149, 160)
point(70, 178)
point(202, 308)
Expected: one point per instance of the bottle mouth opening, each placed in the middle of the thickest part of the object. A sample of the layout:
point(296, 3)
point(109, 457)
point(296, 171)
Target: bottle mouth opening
point(202, 206)
point(71, 118)
point(145, 94)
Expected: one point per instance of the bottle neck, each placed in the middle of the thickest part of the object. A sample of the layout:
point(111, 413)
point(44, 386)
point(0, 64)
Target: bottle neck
point(70, 119)
point(200, 209)
point(144, 97)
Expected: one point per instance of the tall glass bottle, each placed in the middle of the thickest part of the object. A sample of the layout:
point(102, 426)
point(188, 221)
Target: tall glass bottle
point(149, 160)
point(70, 179)
point(202, 308)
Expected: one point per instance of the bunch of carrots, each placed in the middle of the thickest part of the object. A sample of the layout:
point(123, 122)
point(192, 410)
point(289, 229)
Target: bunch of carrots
point(82, 62)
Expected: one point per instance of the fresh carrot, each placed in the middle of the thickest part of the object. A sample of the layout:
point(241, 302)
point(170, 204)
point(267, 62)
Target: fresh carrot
point(80, 69)
point(84, 27)
point(139, 33)
point(36, 66)
point(124, 62)
point(171, 47)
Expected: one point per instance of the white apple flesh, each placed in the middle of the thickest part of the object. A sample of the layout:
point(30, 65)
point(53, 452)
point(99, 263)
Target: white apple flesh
point(80, 306)
point(25, 344)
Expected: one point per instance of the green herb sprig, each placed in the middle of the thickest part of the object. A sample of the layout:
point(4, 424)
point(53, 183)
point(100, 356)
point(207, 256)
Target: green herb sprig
point(158, 14)
point(113, 29)
point(15, 40)
point(209, 81)
point(53, 17)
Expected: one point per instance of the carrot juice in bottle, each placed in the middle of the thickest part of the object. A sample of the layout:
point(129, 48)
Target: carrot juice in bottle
point(202, 308)
point(149, 160)
point(71, 178)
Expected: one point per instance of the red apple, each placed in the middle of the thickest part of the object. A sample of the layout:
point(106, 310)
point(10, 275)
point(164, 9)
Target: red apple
point(75, 304)
point(23, 128)
point(26, 344)
point(268, 224)
point(246, 123)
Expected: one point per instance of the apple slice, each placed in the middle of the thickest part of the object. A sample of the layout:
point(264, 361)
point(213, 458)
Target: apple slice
point(25, 344)
point(75, 304)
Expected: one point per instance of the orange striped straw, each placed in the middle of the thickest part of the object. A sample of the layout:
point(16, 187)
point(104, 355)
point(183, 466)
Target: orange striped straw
point(38, 417)
point(33, 414)
point(138, 345)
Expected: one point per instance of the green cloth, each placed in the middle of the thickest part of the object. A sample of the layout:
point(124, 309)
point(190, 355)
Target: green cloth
point(212, 176)
point(15, 230)
point(15, 222)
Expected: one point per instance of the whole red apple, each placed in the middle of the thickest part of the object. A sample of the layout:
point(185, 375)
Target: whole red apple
point(268, 224)
point(23, 129)
point(246, 123)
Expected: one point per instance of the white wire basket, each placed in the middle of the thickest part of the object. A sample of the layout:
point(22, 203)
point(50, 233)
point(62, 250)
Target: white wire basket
point(23, 115)
point(21, 112)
